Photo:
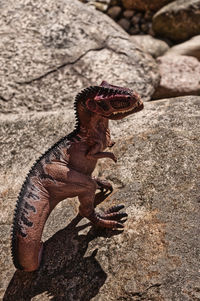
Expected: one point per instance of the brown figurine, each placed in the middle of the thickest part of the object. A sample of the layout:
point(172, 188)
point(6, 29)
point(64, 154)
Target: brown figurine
point(64, 171)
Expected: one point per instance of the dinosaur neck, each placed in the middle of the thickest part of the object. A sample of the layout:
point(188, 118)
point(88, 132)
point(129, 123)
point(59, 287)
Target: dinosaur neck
point(89, 123)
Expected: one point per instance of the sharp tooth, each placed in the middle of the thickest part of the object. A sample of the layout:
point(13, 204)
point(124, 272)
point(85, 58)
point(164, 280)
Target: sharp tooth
point(124, 111)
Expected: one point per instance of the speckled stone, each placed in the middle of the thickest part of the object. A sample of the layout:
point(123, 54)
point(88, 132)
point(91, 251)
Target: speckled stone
point(179, 76)
point(157, 179)
point(57, 54)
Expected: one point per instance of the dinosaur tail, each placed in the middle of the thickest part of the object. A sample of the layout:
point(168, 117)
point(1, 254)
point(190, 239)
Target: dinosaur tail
point(31, 213)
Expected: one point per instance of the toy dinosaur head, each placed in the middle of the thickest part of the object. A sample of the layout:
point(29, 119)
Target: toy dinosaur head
point(113, 102)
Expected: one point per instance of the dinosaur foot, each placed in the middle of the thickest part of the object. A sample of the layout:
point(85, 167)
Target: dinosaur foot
point(112, 218)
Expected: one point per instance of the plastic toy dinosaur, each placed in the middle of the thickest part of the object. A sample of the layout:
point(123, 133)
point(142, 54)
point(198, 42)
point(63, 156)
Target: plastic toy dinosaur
point(64, 171)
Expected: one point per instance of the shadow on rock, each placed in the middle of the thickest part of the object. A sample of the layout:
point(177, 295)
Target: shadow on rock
point(64, 274)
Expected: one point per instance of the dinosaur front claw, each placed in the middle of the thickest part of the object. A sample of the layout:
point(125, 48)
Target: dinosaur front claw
point(102, 184)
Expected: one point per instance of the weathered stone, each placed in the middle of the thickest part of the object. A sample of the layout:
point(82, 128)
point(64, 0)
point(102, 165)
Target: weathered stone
point(50, 50)
point(190, 47)
point(145, 5)
point(153, 46)
point(178, 20)
point(179, 76)
point(114, 11)
point(156, 177)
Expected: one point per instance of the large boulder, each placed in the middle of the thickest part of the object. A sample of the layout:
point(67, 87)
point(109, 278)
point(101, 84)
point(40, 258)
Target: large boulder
point(52, 49)
point(156, 177)
point(179, 76)
point(178, 21)
point(145, 5)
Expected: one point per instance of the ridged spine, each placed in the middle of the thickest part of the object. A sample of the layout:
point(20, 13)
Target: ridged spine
point(81, 97)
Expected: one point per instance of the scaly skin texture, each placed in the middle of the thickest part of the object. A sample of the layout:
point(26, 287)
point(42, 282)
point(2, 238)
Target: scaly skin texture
point(65, 170)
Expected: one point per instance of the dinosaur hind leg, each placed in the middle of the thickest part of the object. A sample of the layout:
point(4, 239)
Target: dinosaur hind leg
point(110, 219)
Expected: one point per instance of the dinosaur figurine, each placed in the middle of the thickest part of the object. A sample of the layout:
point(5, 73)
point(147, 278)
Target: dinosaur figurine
point(64, 171)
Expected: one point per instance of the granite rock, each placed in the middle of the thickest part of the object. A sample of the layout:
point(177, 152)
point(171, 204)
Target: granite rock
point(50, 50)
point(178, 21)
point(179, 76)
point(157, 177)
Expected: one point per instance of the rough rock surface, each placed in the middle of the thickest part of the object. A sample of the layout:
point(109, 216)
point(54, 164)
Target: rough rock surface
point(145, 5)
point(156, 177)
point(154, 47)
point(69, 53)
point(180, 75)
point(190, 47)
point(178, 20)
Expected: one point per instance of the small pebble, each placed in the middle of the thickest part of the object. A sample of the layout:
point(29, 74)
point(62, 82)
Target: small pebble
point(114, 12)
point(124, 23)
point(128, 14)
point(101, 6)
